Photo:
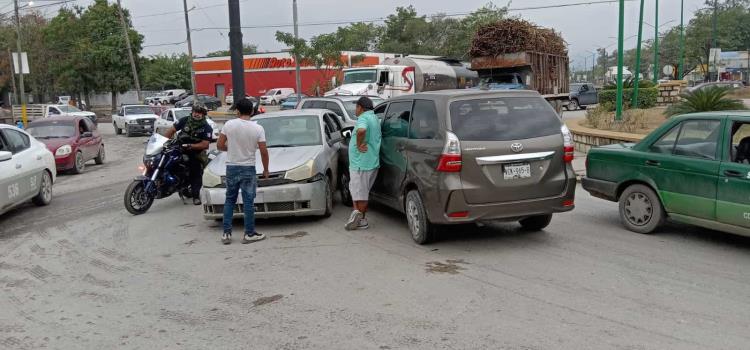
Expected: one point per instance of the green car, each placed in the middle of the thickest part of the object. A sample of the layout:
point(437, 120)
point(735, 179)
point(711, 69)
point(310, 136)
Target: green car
point(694, 169)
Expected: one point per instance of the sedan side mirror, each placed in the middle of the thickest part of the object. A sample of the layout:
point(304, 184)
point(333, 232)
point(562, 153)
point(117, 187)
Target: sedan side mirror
point(347, 132)
point(5, 155)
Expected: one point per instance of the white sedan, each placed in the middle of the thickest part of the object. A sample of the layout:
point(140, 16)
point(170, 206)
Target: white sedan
point(27, 169)
point(172, 115)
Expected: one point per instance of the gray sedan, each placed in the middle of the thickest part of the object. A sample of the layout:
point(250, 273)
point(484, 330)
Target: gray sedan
point(304, 164)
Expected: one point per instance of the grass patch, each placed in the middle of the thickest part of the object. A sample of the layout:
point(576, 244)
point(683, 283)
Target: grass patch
point(636, 121)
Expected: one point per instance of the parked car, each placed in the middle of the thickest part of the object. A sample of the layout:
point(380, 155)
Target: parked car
point(134, 119)
point(212, 103)
point(303, 146)
point(73, 140)
point(68, 110)
point(172, 115)
point(466, 156)
point(723, 84)
point(343, 106)
point(274, 96)
point(582, 95)
point(229, 99)
point(291, 101)
point(694, 169)
point(27, 169)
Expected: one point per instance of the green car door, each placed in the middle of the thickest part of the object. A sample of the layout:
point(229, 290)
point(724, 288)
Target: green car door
point(684, 164)
point(733, 202)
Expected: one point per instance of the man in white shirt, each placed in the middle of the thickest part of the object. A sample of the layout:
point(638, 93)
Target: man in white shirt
point(240, 138)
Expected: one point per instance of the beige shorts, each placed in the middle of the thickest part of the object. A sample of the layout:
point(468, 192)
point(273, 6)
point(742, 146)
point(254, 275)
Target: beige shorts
point(360, 183)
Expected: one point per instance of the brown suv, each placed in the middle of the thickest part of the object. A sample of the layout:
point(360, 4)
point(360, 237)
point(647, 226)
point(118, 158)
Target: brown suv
point(462, 156)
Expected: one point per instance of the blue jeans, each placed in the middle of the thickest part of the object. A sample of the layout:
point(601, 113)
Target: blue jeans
point(240, 178)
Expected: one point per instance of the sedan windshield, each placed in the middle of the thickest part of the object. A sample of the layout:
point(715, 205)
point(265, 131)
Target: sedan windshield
point(291, 131)
point(51, 131)
point(68, 109)
point(360, 76)
point(180, 113)
point(138, 110)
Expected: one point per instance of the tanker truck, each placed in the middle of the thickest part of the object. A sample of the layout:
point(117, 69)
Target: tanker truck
point(406, 75)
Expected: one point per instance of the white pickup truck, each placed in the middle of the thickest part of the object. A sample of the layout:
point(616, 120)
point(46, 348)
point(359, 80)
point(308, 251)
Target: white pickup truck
point(40, 111)
point(134, 119)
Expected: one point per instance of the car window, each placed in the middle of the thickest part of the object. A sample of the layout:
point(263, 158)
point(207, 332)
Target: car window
point(380, 111)
point(334, 107)
point(17, 140)
point(665, 144)
point(698, 139)
point(89, 124)
point(741, 143)
point(53, 111)
point(424, 120)
point(3, 147)
point(82, 127)
point(335, 122)
point(503, 119)
point(396, 123)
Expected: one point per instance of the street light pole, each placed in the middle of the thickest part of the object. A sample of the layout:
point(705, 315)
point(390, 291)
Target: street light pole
point(298, 78)
point(681, 69)
point(130, 51)
point(620, 44)
point(190, 49)
point(656, 44)
point(637, 73)
point(713, 39)
point(21, 88)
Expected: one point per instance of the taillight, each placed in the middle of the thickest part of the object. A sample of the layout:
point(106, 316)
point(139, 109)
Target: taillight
point(568, 145)
point(450, 160)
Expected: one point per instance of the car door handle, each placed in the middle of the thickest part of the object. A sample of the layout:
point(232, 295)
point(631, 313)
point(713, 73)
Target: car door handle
point(652, 162)
point(732, 173)
point(38, 157)
point(19, 166)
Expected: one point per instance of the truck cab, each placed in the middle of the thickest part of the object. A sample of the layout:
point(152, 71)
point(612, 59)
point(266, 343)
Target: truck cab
point(384, 81)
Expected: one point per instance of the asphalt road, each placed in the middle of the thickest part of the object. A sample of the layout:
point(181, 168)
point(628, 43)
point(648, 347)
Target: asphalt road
point(82, 273)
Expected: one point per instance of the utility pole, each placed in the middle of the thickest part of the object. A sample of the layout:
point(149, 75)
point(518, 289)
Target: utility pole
point(13, 78)
point(190, 49)
point(298, 77)
point(20, 66)
point(637, 73)
point(656, 44)
point(681, 69)
point(130, 51)
point(235, 49)
point(713, 38)
point(620, 42)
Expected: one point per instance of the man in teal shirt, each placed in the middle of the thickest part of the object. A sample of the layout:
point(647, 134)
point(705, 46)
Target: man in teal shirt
point(364, 161)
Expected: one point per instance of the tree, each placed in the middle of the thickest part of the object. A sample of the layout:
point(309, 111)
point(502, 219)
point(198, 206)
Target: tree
point(704, 100)
point(358, 37)
point(69, 45)
point(323, 52)
point(161, 72)
point(247, 49)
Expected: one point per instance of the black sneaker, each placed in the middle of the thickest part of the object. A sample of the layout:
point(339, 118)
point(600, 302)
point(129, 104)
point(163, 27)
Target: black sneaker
point(253, 238)
point(197, 201)
point(226, 238)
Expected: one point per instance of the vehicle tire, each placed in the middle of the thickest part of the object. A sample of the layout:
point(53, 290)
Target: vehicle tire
point(640, 209)
point(536, 223)
point(329, 197)
point(572, 105)
point(44, 196)
point(346, 196)
point(101, 156)
point(118, 131)
point(422, 231)
point(128, 133)
point(79, 164)
point(137, 201)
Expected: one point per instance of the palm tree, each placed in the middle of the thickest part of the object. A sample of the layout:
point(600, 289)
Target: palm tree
point(704, 100)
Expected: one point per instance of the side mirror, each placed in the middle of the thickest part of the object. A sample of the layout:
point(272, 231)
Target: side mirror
point(5, 155)
point(87, 134)
point(347, 132)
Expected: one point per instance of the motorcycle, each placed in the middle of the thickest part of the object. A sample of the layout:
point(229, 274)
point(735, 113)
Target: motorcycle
point(165, 172)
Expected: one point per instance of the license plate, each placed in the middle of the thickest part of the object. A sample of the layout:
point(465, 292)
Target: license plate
point(147, 127)
point(516, 171)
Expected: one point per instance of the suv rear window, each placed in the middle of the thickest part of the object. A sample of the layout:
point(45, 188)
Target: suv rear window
point(503, 119)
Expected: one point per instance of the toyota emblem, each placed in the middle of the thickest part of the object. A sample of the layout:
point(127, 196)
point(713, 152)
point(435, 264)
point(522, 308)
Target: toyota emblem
point(516, 147)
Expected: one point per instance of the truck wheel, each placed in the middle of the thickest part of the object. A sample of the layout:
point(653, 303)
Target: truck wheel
point(640, 209)
point(118, 131)
point(572, 105)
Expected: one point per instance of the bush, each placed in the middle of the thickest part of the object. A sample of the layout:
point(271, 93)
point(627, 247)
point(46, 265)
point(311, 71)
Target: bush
point(705, 100)
point(629, 83)
point(602, 118)
point(646, 97)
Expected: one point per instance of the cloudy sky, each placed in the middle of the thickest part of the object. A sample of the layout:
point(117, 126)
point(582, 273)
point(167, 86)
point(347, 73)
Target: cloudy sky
point(584, 27)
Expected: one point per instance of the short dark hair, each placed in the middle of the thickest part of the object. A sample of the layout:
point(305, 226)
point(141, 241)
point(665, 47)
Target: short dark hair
point(365, 102)
point(244, 106)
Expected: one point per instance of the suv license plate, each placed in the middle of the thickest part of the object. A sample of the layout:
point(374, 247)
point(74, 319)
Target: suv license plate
point(516, 171)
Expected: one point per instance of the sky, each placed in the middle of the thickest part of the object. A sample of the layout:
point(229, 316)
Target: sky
point(584, 27)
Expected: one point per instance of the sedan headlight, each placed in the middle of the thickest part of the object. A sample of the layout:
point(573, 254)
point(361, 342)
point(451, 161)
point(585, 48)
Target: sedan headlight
point(302, 172)
point(63, 150)
point(210, 179)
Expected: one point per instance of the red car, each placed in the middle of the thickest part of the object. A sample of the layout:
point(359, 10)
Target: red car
point(73, 140)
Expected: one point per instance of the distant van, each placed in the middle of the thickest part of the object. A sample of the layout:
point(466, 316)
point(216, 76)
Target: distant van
point(274, 96)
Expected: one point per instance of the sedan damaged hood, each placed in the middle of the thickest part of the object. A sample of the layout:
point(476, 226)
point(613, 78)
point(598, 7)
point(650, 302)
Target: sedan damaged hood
point(279, 158)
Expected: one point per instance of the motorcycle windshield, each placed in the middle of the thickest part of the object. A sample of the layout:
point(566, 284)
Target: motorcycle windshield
point(155, 144)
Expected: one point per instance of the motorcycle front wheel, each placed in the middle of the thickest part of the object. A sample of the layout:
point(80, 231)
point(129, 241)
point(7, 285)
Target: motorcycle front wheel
point(137, 201)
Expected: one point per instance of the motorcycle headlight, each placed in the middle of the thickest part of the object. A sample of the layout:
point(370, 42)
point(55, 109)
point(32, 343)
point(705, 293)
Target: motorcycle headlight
point(302, 172)
point(210, 179)
point(63, 150)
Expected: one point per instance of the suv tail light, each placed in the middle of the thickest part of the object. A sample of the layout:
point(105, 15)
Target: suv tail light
point(568, 145)
point(450, 160)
